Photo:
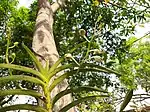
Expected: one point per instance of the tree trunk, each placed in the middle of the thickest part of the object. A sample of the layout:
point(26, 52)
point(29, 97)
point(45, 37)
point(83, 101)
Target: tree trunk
point(44, 45)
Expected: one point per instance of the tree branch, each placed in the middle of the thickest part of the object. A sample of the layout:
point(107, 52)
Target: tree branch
point(58, 4)
point(55, 6)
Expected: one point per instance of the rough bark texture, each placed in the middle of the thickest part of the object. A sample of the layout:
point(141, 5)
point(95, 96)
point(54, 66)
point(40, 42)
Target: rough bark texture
point(44, 45)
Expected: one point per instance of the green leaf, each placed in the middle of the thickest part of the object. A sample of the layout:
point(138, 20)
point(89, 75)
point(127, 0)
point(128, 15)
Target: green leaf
point(75, 90)
point(67, 74)
point(91, 67)
point(62, 67)
point(21, 77)
point(98, 67)
point(58, 62)
point(131, 41)
point(36, 61)
point(74, 103)
point(47, 67)
point(95, 2)
point(127, 99)
point(23, 107)
point(24, 69)
point(22, 92)
point(59, 79)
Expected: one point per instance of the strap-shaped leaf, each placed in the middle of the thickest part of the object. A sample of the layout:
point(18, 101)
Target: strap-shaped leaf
point(94, 70)
point(58, 62)
point(127, 99)
point(23, 107)
point(35, 60)
point(74, 103)
point(67, 74)
point(22, 92)
point(60, 79)
point(62, 67)
point(90, 65)
point(21, 77)
point(24, 69)
point(75, 90)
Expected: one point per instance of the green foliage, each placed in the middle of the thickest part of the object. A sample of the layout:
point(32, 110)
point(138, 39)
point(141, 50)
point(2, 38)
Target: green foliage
point(23, 107)
point(40, 78)
point(105, 22)
point(134, 67)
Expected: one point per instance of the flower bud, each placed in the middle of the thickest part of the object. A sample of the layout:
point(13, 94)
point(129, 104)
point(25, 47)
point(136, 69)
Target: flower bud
point(13, 54)
point(82, 32)
point(97, 58)
point(16, 43)
point(68, 56)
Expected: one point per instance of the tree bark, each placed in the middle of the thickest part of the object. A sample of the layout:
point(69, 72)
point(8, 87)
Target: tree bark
point(44, 45)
